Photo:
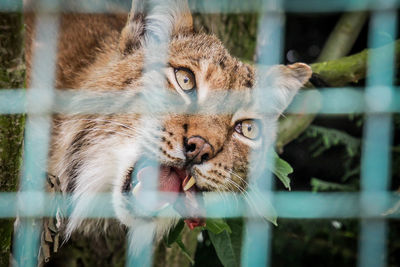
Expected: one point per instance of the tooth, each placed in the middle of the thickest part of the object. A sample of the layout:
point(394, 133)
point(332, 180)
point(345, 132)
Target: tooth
point(189, 184)
point(136, 188)
point(164, 206)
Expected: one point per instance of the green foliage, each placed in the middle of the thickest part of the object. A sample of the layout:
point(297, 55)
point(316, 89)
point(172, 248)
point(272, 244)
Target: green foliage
point(220, 234)
point(12, 68)
point(226, 235)
point(184, 250)
point(305, 242)
point(357, 119)
point(12, 75)
point(228, 245)
point(327, 138)
point(217, 226)
point(173, 235)
point(320, 185)
point(223, 246)
point(282, 170)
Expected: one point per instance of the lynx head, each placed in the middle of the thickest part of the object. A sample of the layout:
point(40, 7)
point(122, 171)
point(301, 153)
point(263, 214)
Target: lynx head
point(206, 120)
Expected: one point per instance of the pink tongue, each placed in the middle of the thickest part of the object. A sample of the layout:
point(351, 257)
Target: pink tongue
point(173, 180)
point(168, 182)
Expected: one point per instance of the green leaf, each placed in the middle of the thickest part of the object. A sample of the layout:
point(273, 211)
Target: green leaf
point(328, 137)
point(236, 236)
point(224, 248)
point(217, 225)
point(320, 185)
point(184, 249)
point(282, 169)
point(228, 245)
point(174, 234)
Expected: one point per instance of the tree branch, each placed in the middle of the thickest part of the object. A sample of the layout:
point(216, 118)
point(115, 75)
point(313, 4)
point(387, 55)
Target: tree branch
point(291, 126)
point(339, 43)
point(343, 36)
point(337, 72)
point(351, 69)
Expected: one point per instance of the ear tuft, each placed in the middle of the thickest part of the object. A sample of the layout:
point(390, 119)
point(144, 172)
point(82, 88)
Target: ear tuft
point(301, 71)
point(132, 34)
point(157, 19)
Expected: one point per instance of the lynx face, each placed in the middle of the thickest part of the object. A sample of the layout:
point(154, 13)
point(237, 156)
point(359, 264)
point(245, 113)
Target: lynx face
point(120, 152)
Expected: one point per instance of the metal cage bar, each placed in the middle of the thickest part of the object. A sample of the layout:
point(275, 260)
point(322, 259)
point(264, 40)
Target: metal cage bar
point(37, 138)
point(375, 176)
point(256, 245)
point(380, 99)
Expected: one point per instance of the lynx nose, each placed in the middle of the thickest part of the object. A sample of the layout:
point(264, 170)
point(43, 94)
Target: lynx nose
point(198, 150)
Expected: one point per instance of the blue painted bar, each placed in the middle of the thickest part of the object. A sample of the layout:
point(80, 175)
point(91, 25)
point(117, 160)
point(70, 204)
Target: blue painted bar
point(330, 101)
point(39, 98)
point(375, 164)
point(372, 243)
point(11, 5)
point(26, 240)
point(256, 246)
point(294, 205)
point(155, 60)
point(212, 6)
point(12, 101)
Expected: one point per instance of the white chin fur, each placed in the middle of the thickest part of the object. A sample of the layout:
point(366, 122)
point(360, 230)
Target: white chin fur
point(142, 231)
point(105, 171)
point(146, 231)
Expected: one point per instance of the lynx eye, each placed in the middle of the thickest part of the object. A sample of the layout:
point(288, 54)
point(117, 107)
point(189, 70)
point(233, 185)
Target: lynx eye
point(248, 128)
point(185, 79)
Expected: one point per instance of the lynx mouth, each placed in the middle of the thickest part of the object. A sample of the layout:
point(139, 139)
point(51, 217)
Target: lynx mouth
point(173, 180)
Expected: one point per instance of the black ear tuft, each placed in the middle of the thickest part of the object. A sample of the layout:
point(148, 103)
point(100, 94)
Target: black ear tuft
point(132, 34)
point(156, 19)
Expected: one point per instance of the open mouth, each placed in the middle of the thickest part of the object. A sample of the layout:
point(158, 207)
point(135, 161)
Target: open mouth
point(172, 180)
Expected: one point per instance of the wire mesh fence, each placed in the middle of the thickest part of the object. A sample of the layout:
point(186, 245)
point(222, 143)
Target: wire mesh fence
point(379, 100)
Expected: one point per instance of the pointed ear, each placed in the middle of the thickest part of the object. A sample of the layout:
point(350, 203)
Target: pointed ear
point(154, 18)
point(286, 81)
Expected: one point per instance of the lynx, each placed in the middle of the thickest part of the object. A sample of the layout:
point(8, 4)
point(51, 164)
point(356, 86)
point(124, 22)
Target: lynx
point(195, 148)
